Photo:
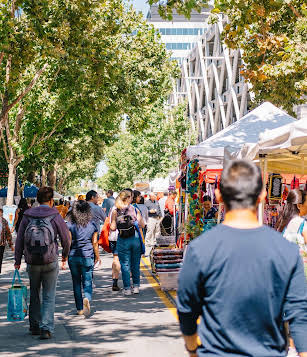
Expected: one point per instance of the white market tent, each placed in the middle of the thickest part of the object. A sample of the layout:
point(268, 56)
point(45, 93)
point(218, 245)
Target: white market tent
point(245, 131)
point(159, 184)
point(282, 150)
point(57, 195)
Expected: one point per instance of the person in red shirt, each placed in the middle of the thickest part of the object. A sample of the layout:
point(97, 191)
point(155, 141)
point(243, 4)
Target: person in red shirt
point(170, 202)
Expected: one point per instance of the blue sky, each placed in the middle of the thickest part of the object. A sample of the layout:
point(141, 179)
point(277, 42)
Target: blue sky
point(141, 5)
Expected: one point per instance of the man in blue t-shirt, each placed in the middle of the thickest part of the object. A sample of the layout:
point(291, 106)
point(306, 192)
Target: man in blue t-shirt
point(244, 279)
point(109, 202)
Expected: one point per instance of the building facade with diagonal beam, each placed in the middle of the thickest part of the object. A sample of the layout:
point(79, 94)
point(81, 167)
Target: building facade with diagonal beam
point(210, 79)
point(212, 84)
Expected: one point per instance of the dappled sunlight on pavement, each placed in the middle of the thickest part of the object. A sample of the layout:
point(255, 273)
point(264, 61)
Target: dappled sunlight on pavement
point(118, 325)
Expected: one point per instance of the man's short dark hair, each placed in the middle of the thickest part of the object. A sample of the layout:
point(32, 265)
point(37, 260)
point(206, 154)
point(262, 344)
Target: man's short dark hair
point(91, 194)
point(44, 194)
point(110, 192)
point(61, 201)
point(241, 184)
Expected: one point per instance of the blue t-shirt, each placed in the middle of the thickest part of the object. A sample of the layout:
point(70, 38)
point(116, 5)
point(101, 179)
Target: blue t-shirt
point(244, 283)
point(108, 203)
point(81, 245)
point(99, 215)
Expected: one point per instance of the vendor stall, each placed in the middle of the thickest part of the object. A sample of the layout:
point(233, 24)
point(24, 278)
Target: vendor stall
point(211, 154)
point(283, 151)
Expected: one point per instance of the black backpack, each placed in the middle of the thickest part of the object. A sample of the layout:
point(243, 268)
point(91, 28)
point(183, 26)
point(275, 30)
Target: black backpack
point(125, 223)
point(39, 241)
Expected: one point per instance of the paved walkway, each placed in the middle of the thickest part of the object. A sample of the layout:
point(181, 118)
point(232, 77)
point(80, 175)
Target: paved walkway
point(119, 326)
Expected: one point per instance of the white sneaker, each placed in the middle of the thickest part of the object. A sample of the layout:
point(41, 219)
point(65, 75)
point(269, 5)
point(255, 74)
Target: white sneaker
point(292, 352)
point(136, 290)
point(86, 307)
point(127, 292)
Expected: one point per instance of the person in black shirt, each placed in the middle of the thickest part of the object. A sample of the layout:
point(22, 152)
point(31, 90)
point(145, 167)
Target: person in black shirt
point(244, 279)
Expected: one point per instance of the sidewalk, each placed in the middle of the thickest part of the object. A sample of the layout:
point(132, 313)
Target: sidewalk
point(119, 326)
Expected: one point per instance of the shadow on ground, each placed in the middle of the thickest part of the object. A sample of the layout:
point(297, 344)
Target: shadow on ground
point(118, 325)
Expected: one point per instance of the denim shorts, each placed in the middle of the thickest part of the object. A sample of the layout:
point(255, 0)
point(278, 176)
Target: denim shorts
point(112, 245)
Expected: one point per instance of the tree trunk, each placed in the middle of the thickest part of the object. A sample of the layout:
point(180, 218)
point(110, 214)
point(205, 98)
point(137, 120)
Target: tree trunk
point(11, 185)
point(61, 186)
point(52, 178)
point(43, 177)
point(31, 177)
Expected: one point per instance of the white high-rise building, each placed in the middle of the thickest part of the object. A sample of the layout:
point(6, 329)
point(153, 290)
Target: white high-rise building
point(180, 34)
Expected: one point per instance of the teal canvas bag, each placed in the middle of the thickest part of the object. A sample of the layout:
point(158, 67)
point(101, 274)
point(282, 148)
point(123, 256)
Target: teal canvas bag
point(17, 307)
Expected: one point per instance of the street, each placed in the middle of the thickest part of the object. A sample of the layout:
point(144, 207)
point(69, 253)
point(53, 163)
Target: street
point(135, 325)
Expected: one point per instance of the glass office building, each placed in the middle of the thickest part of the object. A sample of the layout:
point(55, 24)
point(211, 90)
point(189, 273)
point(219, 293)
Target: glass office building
point(180, 34)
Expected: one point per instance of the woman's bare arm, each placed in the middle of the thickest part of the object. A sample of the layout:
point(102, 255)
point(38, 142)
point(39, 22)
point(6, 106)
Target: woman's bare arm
point(95, 246)
point(304, 234)
point(140, 219)
point(113, 221)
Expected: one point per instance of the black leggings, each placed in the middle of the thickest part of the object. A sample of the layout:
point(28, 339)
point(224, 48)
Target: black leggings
point(2, 247)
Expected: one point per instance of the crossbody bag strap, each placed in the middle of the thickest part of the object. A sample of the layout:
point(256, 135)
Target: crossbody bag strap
point(301, 228)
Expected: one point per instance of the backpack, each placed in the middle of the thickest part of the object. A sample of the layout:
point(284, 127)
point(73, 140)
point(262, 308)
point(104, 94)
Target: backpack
point(125, 223)
point(167, 224)
point(39, 241)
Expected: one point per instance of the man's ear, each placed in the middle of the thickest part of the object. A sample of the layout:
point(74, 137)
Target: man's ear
point(218, 195)
point(262, 196)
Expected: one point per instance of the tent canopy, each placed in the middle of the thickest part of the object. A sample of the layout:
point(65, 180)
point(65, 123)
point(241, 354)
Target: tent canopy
point(30, 191)
point(246, 130)
point(284, 149)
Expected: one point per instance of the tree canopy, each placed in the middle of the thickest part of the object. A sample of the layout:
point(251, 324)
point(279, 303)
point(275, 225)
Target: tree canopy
point(273, 38)
point(152, 152)
point(69, 71)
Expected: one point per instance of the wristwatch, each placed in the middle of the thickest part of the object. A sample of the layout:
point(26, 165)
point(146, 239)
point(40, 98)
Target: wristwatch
point(191, 351)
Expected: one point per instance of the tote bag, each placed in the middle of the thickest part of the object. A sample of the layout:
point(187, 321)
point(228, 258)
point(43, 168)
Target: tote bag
point(141, 236)
point(17, 306)
point(104, 236)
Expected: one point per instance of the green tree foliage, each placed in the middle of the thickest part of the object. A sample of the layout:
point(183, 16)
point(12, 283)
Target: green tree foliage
point(272, 35)
point(149, 153)
point(71, 70)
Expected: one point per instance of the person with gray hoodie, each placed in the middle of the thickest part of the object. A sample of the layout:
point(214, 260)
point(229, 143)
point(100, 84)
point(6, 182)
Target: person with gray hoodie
point(37, 240)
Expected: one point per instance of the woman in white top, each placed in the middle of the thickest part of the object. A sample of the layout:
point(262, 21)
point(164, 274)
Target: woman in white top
point(291, 222)
point(294, 228)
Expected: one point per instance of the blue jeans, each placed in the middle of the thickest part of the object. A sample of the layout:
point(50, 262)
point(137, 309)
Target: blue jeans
point(129, 255)
point(41, 315)
point(82, 273)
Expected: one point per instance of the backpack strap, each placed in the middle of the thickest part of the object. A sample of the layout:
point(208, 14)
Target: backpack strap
point(301, 228)
point(50, 218)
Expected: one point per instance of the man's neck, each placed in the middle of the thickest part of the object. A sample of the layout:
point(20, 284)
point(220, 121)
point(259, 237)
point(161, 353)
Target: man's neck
point(242, 218)
point(46, 204)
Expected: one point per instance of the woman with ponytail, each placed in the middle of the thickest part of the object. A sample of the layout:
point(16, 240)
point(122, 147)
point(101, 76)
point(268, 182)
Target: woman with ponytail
point(294, 228)
point(291, 221)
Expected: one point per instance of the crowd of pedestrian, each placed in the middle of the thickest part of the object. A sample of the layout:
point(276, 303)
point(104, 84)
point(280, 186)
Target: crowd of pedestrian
point(244, 279)
point(77, 226)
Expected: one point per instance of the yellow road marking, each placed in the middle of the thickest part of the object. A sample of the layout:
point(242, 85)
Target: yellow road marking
point(156, 287)
point(145, 269)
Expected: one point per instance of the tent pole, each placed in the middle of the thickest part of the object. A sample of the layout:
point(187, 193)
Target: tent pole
point(186, 208)
point(264, 170)
point(219, 213)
